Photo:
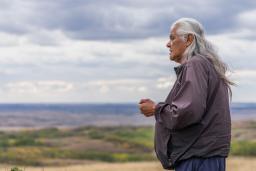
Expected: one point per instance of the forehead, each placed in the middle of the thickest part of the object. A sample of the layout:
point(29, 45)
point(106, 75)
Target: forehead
point(173, 31)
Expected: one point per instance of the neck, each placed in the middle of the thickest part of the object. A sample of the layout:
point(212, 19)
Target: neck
point(183, 60)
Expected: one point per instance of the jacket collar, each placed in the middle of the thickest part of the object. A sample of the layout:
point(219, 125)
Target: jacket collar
point(179, 68)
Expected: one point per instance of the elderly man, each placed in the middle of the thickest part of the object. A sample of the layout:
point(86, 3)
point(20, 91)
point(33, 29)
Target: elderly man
point(193, 125)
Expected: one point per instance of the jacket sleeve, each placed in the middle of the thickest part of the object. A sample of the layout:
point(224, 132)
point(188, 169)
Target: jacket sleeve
point(189, 103)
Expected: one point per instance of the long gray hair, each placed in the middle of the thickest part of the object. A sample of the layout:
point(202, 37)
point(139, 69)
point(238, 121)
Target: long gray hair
point(200, 45)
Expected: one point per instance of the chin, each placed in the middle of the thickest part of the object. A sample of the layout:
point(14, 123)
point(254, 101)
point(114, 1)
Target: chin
point(172, 58)
point(175, 59)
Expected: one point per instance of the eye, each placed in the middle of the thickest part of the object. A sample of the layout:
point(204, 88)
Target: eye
point(172, 37)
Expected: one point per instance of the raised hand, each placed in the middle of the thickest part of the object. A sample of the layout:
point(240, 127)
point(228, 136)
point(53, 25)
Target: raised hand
point(147, 107)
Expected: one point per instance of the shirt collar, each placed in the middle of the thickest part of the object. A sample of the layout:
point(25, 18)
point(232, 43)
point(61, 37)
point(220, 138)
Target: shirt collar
point(179, 68)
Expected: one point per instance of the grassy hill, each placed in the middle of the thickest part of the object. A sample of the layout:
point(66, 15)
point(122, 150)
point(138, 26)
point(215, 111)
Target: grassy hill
point(52, 146)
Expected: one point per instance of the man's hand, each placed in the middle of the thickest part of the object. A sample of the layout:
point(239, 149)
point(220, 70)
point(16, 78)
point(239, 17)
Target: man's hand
point(147, 107)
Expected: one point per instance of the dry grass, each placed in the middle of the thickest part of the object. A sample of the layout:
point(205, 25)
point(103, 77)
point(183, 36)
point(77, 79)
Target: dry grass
point(131, 166)
point(241, 164)
point(233, 164)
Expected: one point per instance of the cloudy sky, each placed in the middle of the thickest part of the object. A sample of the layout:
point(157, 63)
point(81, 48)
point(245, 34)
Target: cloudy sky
point(113, 50)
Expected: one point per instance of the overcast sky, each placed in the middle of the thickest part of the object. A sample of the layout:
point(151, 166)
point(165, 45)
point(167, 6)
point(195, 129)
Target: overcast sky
point(114, 50)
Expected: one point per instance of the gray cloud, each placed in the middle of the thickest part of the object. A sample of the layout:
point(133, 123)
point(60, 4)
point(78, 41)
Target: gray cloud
point(125, 19)
point(117, 45)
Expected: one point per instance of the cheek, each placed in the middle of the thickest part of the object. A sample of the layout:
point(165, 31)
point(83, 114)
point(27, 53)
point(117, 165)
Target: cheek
point(180, 48)
point(176, 47)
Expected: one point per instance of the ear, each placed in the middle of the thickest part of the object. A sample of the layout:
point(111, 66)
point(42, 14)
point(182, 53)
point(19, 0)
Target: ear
point(190, 39)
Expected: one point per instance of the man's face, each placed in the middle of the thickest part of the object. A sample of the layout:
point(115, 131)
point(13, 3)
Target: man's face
point(177, 46)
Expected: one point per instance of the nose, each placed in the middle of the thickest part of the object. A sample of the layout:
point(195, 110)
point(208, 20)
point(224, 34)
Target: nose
point(168, 45)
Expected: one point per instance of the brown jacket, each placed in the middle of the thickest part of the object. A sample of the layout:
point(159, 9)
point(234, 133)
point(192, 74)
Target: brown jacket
point(194, 120)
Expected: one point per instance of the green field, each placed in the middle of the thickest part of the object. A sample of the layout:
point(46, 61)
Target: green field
point(56, 147)
point(51, 146)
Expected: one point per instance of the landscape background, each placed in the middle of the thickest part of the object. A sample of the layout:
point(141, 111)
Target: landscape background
point(73, 71)
point(100, 137)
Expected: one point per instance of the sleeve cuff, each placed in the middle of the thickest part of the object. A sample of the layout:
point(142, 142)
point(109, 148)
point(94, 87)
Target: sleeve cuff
point(158, 110)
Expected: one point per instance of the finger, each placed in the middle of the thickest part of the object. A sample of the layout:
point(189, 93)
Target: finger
point(143, 101)
point(141, 107)
point(148, 114)
point(142, 110)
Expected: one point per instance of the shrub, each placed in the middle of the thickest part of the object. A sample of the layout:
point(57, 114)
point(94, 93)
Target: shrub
point(15, 169)
point(243, 148)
